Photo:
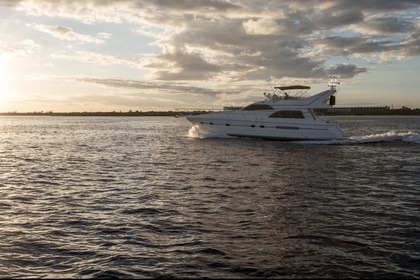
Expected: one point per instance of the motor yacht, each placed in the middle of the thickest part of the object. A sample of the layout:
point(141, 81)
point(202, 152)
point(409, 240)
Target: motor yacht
point(280, 116)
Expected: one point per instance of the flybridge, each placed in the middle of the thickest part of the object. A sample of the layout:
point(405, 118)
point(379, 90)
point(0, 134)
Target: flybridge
point(301, 91)
point(332, 84)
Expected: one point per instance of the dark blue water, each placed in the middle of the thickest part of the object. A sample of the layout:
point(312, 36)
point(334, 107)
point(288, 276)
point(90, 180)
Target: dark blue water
point(141, 197)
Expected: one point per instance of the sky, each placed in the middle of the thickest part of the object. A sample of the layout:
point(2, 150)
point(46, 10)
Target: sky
point(143, 55)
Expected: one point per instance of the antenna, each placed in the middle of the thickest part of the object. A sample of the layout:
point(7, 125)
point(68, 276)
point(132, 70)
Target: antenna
point(272, 88)
point(334, 81)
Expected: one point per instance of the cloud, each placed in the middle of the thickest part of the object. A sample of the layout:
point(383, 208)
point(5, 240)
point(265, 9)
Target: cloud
point(290, 39)
point(386, 25)
point(333, 18)
point(21, 49)
point(152, 86)
point(98, 58)
point(345, 70)
point(411, 45)
point(219, 6)
point(261, 26)
point(344, 46)
point(373, 5)
point(66, 33)
point(236, 41)
point(183, 66)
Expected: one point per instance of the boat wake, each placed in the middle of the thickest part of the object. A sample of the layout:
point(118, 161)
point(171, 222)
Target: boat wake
point(391, 136)
point(196, 132)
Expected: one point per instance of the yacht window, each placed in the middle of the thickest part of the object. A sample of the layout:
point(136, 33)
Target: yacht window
point(287, 114)
point(312, 114)
point(287, 127)
point(254, 107)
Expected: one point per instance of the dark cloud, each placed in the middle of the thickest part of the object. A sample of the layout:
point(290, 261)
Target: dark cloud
point(375, 5)
point(152, 86)
point(191, 5)
point(346, 70)
point(411, 45)
point(344, 46)
point(249, 40)
point(285, 46)
point(389, 25)
point(330, 19)
point(183, 66)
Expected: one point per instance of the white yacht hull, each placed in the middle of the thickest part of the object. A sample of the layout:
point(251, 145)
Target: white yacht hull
point(281, 130)
point(287, 118)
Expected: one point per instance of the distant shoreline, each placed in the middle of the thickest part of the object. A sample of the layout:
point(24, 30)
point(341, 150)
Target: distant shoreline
point(323, 112)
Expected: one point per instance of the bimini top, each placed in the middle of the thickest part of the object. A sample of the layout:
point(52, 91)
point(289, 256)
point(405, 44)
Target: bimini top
point(293, 87)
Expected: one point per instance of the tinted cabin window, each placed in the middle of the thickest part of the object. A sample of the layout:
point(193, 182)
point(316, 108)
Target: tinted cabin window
point(287, 114)
point(254, 107)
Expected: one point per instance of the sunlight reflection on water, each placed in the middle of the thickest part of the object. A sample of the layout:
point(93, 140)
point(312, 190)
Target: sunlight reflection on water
point(139, 197)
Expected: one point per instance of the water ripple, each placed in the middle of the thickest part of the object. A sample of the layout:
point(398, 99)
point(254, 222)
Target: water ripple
point(123, 198)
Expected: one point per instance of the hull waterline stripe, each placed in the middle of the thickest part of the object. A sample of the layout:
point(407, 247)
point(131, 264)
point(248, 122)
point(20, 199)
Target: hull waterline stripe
point(266, 126)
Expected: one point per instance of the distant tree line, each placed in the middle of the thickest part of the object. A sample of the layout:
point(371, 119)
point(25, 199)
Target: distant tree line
point(404, 111)
point(389, 112)
point(113, 113)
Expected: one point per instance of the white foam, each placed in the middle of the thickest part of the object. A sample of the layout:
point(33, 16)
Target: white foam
point(196, 132)
point(390, 136)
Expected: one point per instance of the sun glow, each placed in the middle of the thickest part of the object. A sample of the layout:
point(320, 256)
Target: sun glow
point(5, 88)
